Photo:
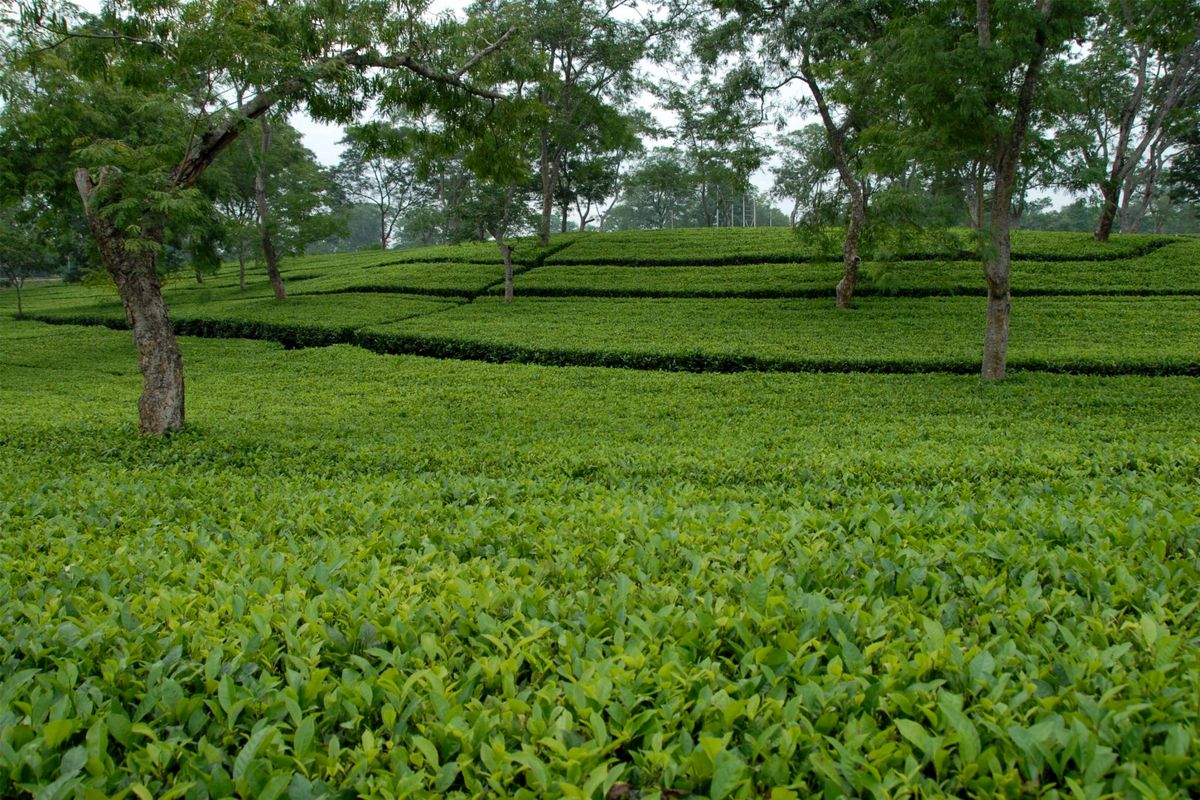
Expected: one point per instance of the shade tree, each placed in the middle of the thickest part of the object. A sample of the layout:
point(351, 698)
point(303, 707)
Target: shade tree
point(971, 85)
point(1123, 100)
point(149, 87)
point(377, 168)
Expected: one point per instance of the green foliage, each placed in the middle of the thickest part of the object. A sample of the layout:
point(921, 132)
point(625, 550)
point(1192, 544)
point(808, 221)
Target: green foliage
point(1113, 315)
point(716, 246)
point(1094, 335)
point(346, 578)
point(1168, 270)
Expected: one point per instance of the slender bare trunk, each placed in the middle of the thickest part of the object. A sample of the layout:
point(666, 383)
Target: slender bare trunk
point(549, 176)
point(506, 253)
point(161, 406)
point(199, 277)
point(264, 214)
point(854, 187)
point(999, 260)
point(585, 214)
point(17, 283)
point(498, 231)
point(1131, 220)
point(708, 214)
point(383, 231)
point(850, 257)
point(241, 263)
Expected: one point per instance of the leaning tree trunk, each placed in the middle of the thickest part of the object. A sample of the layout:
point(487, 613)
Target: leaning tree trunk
point(497, 232)
point(264, 215)
point(836, 134)
point(1108, 212)
point(160, 408)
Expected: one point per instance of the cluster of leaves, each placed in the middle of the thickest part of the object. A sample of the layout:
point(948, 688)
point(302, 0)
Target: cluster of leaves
point(647, 585)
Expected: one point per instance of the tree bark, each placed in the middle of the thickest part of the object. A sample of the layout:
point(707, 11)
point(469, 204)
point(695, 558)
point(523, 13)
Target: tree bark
point(850, 257)
point(1108, 211)
point(506, 253)
point(1181, 84)
point(549, 181)
point(854, 187)
point(241, 262)
point(998, 261)
point(161, 406)
point(498, 231)
point(17, 283)
point(264, 214)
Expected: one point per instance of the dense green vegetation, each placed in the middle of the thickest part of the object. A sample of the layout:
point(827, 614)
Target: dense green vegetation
point(396, 575)
point(1170, 269)
point(781, 245)
point(385, 575)
point(705, 316)
point(939, 538)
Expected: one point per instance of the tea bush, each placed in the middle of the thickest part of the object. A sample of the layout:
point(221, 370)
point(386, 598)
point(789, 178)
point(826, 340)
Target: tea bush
point(720, 246)
point(1172, 269)
point(393, 576)
point(358, 575)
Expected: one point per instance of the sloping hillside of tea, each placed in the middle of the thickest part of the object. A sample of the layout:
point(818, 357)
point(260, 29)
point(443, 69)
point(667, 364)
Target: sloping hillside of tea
point(710, 300)
point(364, 574)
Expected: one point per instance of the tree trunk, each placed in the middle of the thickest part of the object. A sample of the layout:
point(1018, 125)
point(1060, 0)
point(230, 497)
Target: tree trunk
point(1131, 222)
point(241, 263)
point(850, 258)
point(1108, 212)
point(160, 408)
point(854, 187)
point(17, 284)
point(264, 215)
point(1007, 157)
point(199, 277)
point(549, 181)
point(383, 231)
point(995, 342)
point(506, 253)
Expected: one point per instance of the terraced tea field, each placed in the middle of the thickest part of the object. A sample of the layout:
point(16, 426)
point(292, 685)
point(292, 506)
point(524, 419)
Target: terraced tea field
point(792, 552)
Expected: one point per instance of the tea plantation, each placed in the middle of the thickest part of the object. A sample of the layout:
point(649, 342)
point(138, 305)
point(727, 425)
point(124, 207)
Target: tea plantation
point(779, 552)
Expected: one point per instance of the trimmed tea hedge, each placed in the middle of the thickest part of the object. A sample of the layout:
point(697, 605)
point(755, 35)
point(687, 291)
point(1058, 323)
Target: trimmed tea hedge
point(1089, 334)
point(1176, 272)
point(726, 246)
point(365, 576)
point(465, 280)
point(1098, 335)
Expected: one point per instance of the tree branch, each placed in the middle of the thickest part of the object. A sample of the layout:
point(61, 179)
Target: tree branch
point(485, 52)
point(365, 60)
